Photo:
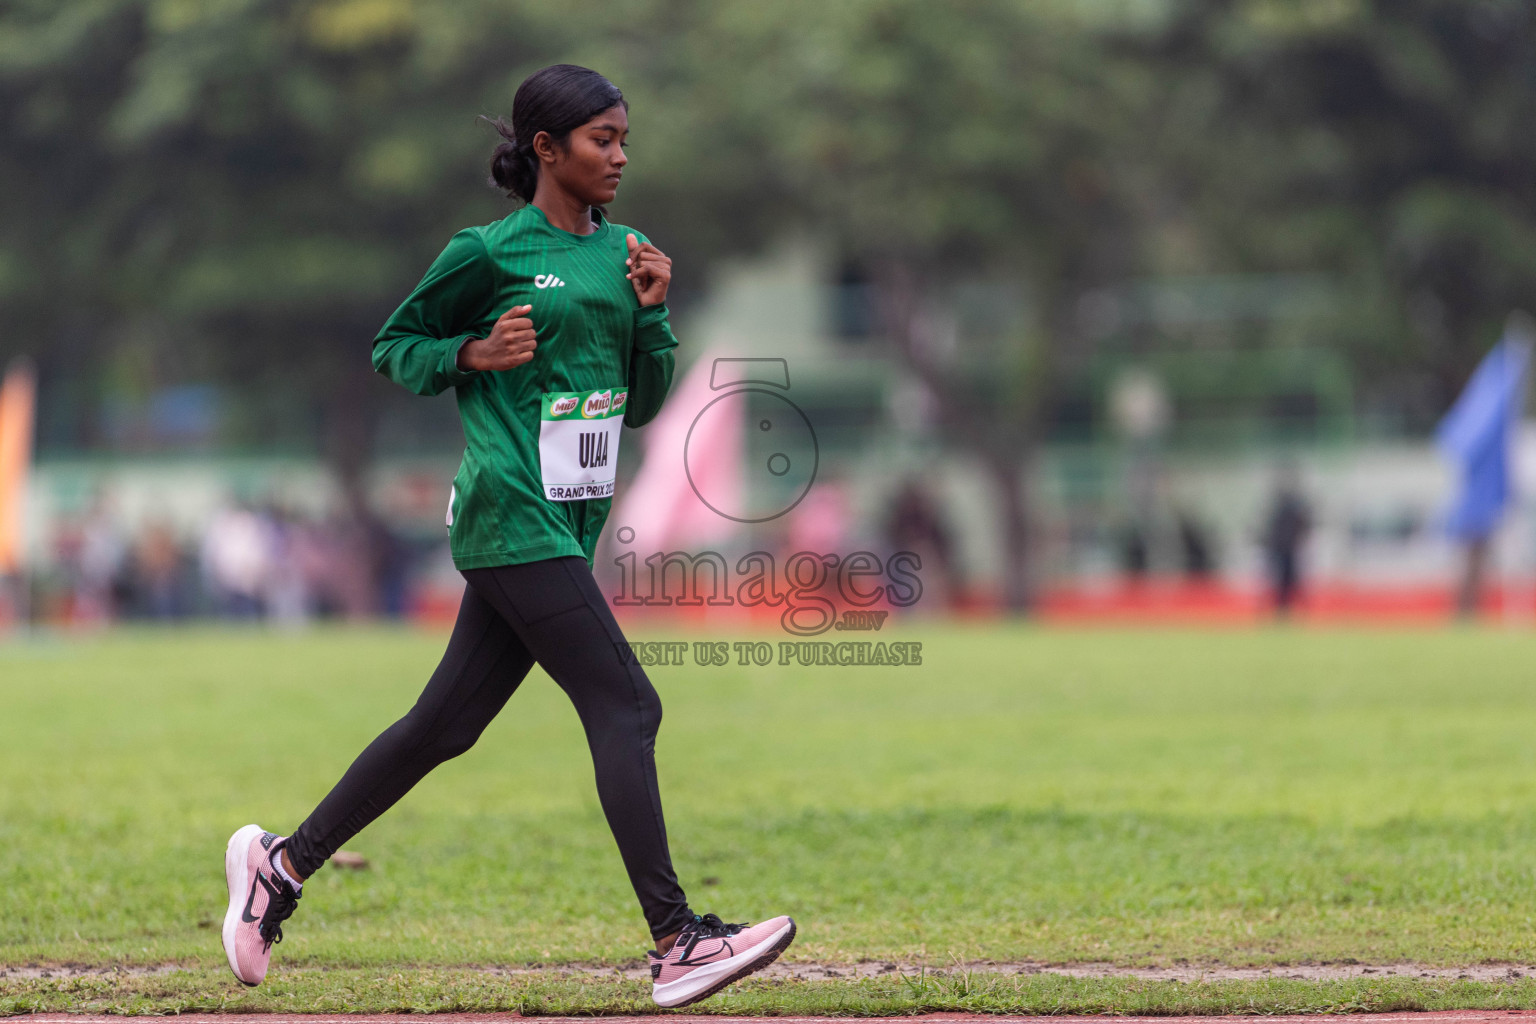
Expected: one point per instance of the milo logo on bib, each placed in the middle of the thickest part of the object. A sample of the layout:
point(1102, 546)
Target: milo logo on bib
point(597, 404)
point(579, 442)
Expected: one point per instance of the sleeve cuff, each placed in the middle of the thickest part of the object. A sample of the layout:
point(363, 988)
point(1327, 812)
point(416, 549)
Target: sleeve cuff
point(450, 364)
point(652, 332)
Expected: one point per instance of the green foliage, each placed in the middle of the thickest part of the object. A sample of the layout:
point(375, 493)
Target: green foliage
point(240, 191)
point(1381, 140)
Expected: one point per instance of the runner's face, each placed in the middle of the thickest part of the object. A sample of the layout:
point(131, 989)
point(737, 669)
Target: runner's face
point(590, 165)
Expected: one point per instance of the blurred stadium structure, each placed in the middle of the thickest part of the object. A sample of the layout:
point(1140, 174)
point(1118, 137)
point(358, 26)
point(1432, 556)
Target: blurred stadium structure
point(1063, 288)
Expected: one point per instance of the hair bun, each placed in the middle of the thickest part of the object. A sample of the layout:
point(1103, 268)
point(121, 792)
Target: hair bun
point(513, 168)
point(502, 161)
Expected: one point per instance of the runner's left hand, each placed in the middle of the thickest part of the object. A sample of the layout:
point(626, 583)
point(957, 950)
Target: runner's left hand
point(650, 271)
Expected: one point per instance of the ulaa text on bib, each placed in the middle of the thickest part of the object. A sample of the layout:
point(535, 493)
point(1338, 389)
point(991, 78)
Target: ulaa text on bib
point(579, 442)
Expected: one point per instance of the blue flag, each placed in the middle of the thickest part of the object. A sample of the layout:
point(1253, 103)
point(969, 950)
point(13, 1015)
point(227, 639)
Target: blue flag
point(1478, 434)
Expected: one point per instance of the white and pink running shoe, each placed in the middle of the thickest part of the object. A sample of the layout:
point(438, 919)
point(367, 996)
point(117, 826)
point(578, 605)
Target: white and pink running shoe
point(259, 902)
point(710, 954)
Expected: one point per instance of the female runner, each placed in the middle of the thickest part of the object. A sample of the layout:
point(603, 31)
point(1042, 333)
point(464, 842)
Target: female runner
point(551, 327)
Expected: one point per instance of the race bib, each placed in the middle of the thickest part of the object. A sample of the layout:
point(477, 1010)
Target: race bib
point(579, 442)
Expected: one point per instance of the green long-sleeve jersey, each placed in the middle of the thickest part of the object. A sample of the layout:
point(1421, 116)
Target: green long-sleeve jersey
point(540, 439)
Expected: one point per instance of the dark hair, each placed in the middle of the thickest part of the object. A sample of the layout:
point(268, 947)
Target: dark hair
point(555, 99)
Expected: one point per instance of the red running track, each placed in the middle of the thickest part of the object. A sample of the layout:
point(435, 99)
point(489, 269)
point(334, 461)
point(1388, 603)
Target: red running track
point(1156, 600)
point(1435, 1017)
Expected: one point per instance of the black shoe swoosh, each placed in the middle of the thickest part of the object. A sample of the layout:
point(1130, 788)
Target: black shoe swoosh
point(714, 959)
point(246, 915)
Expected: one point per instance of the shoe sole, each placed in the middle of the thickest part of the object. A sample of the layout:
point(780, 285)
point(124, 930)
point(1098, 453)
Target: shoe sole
point(734, 969)
point(237, 875)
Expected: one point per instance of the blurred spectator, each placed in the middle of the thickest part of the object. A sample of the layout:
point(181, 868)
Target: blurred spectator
point(156, 582)
point(287, 588)
point(1289, 522)
point(350, 570)
point(1135, 554)
point(1196, 548)
point(269, 562)
point(312, 552)
point(389, 565)
point(93, 557)
point(915, 524)
point(238, 554)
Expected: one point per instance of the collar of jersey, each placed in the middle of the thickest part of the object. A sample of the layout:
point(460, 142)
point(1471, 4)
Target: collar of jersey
point(600, 233)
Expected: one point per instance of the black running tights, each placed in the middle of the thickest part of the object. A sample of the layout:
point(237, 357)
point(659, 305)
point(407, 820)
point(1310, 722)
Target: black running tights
point(552, 612)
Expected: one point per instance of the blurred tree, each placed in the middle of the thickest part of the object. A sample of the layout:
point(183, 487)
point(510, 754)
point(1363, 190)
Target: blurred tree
point(239, 191)
point(242, 191)
point(1385, 141)
point(945, 146)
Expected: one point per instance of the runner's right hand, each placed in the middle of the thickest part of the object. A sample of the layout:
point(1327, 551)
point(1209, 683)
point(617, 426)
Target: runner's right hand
point(510, 343)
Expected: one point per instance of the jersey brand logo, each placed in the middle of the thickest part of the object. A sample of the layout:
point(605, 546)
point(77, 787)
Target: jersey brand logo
point(548, 281)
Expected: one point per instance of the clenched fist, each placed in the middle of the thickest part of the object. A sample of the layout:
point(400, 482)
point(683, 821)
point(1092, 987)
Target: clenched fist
point(650, 271)
point(510, 343)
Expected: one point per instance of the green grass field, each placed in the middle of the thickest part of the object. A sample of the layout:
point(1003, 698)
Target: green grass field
point(1226, 797)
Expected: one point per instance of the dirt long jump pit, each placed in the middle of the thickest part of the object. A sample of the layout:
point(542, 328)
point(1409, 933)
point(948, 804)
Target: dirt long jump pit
point(1427, 1017)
